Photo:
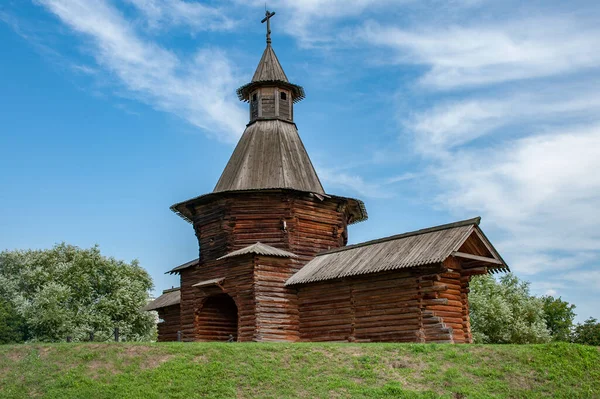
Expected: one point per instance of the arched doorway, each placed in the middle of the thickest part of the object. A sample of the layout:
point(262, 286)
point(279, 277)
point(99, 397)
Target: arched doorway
point(217, 319)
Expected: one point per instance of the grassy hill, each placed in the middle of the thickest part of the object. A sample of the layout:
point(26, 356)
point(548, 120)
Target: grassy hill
point(198, 370)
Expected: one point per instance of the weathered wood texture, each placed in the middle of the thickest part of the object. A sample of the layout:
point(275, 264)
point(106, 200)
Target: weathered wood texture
point(276, 305)
point(168, 327)
point(238, 284)
point(217, 319)
point(425, 304)
point(270, 154)
point(256, 283)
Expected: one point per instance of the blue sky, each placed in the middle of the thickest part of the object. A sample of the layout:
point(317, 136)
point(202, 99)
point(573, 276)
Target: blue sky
point(429, 111)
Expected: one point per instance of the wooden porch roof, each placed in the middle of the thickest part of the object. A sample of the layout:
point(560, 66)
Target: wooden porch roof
point(260, 249)
point(168, 298)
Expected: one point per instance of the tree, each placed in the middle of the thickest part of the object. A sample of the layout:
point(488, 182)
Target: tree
point(12, 325)
point(587, 333)
point(559, 317)
point(69, 291)
point(504, 312)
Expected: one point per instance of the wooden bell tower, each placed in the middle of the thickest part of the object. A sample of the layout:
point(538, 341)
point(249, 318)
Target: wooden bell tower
point(267, 216)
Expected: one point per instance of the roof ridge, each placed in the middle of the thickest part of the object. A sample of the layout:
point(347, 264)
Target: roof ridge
point(171, 290)
point(466, 222)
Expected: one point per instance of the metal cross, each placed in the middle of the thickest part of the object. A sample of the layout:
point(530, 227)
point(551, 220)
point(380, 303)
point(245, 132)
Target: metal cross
point(267, 18)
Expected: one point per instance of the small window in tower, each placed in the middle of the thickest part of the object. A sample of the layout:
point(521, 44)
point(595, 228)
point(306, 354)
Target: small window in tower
point(254, 97)
point(283, 96)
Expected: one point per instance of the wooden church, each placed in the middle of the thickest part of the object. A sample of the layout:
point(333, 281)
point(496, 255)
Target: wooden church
point(274, 264)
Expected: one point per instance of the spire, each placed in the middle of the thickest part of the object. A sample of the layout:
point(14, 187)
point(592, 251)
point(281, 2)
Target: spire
point(269, 71)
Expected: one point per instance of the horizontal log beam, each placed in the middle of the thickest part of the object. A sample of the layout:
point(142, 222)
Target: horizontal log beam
point(476, 257)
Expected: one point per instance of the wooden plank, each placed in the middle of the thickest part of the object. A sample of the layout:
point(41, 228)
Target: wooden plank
point(476, 257)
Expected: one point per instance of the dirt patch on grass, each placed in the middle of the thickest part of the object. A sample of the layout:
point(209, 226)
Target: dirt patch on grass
point(201, 359)
point(352, 350)
point(155, 361)
point(16, 355)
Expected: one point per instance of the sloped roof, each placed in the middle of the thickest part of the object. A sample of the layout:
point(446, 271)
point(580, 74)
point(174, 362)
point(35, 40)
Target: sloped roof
point(183, 266)
point(269, 68)
point(270, 154)
point(260, 249)
point(269, 71)
point(168, 298)
point(417, 248)
point(206, 283)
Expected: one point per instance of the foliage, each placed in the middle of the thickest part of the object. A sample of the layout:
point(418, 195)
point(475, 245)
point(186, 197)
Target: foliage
point(504, 312)
point(559, 317)
point(69, 291)
point(587, 333)
point(299, 370)
point(12, 325)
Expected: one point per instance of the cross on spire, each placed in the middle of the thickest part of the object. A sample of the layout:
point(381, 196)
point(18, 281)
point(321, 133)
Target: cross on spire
point(267, 19)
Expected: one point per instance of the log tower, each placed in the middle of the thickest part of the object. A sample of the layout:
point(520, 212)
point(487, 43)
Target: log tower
point(267, 216)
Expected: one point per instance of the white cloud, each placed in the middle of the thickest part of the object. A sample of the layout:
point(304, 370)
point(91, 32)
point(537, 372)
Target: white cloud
point(589, 278)
point(310, 21)
point(167, 13)
point(201, 89)
point(353, 183)
point(542, 191)
point(452, 124)
point(492, 53)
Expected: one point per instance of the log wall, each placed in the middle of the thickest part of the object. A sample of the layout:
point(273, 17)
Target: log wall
point(238, 284)
point(276, 306)
point(425, 304)
point(217, 319)
point(296, 222)
point(167, 329)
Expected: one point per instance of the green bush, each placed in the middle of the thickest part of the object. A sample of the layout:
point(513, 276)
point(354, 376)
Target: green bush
point(48, 295)
point(587, 333)
point(504, 312)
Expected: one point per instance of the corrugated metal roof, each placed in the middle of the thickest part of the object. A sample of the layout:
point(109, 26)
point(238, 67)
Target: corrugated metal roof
point(183, 266)
point(260, 249)
point(270, 154)
point(168, 298)
point(427, 246)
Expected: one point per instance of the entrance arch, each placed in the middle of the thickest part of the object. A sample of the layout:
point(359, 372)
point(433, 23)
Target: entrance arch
point(217, 319)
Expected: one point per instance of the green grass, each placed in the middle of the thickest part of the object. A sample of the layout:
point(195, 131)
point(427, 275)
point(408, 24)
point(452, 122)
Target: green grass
point(256, 370)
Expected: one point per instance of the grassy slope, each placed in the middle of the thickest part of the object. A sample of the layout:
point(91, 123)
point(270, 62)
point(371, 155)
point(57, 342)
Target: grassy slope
point(298, 370)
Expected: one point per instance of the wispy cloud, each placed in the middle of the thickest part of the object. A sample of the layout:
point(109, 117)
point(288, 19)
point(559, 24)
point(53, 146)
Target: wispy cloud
point(199, 90)
point(458, 56)
point(162, 14)
point(353, 183)
point(311, 21)
point(540, 190)
point(451, 124)
point(590, 278)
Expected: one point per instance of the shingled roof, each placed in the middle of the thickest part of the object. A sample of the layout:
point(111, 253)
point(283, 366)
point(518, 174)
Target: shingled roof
point(417, 248)
point(260, 249)
point(168, 298)
point(270, 154)
point(183, 266)
point(270, 71)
